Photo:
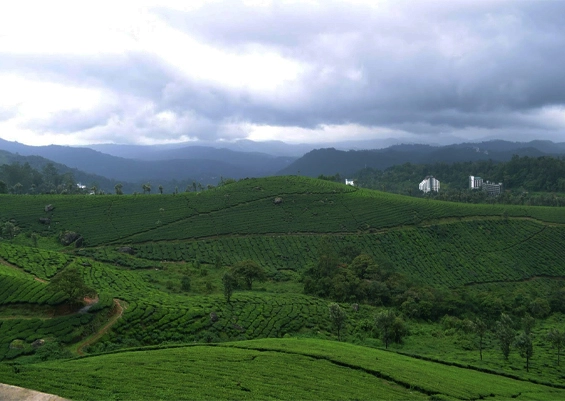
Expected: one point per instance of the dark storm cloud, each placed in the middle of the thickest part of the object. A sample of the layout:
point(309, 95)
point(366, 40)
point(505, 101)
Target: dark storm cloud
point(423, 67)
point(448, 64)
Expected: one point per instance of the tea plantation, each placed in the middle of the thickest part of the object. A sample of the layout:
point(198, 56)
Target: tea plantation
point(163, 258)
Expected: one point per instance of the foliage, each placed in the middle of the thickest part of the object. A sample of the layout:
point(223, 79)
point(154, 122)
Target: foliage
point(185, 283)
point(520, 175)
point(505, 334)
point(525, 347)
point(229, 282)
point(248, 271)
point(480, 328)
point(338, 317)
point(557, 339)
point(70, 283)
point(390, 326)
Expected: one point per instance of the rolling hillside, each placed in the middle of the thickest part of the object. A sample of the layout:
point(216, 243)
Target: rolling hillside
point(269, 369)
point(282, 223)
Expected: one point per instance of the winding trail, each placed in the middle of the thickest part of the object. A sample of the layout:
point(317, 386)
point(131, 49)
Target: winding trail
point(118, 311)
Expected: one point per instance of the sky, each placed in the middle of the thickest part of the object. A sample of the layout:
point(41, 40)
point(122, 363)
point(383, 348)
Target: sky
point(168, 71)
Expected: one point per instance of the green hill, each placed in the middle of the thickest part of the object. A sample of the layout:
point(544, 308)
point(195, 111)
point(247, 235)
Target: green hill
point(268, 369)
point(434, 258)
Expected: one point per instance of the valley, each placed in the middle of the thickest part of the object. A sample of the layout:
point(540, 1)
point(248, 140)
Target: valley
point(158, 265)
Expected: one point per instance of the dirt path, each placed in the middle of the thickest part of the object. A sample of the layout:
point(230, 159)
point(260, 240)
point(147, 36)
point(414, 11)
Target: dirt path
point(15, 393)
point(119, 310)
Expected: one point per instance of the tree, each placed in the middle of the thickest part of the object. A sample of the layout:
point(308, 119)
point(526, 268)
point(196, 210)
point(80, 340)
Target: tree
point(338, 317)
point(390, 326)
point(525, 347)
point(118, 187)
point(161, 189)
point(3, 187)
point(480, 328)
point(229, 282)
point(18, 188)
point(365, 267)
point(185, 283)
point(34, 238)
point(505, 334)
point(70, 283)
point(249, 271)
point(557, 339)
point(528, 323)
point(9, 230)
point(540, 308)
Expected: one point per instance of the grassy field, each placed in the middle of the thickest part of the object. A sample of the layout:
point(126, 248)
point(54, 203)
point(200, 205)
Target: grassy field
point(265, 369)
point(494, 251)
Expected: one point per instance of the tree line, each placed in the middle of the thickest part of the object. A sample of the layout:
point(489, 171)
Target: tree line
point(535, 181)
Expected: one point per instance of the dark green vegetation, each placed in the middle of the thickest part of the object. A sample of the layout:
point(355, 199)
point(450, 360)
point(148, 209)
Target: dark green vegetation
point(331, 161)
point(533, 181)
point(290, 246)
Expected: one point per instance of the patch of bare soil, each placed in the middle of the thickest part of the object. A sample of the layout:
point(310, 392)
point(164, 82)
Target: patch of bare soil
point(118, 310)
point(15, 393)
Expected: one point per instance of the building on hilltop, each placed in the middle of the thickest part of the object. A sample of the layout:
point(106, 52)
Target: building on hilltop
point(429, 184)
point(489, 187)
point(349, 182)
point(475, 182)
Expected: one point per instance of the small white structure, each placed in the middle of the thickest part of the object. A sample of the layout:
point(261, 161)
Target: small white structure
point(429, 184)
point(349, 182)
point(475, 182)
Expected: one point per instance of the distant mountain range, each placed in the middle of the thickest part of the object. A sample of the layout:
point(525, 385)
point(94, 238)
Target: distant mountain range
point(156, 165)
point(331, 161)
point(181, 164)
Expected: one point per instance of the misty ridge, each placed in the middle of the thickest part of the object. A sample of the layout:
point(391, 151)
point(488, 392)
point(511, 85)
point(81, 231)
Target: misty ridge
point(178, 167)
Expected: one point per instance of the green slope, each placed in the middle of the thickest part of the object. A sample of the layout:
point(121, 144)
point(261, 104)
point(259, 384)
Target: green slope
point(267, 369)
point(243, 208)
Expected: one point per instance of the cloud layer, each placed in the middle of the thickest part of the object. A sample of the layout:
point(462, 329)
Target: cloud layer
point(153, 72)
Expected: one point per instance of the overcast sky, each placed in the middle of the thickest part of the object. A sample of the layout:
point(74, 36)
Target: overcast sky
point(83, 72)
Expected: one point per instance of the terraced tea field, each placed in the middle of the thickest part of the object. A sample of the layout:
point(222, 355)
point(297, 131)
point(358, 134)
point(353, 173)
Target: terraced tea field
point(138, 249)
point(268, 369)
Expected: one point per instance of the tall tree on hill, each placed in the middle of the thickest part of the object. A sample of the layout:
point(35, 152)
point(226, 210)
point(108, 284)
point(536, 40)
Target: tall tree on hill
point(505, 334)
point(161, 189)
point(337, 317)
point(390, 326)
point(557, 339)
point(480, 328)
point(118, 187)
point(528, 323)
point(525, 347)
point(229, 282)
point(249, 271)
point(70, 283)
point(9, 230)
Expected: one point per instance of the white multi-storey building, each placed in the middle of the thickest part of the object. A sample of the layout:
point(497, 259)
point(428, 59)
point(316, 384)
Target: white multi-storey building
point(489, 187)
point(475, 182)
point(429, 184)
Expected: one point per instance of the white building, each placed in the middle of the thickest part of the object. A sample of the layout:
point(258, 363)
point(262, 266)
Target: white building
point(349, 182)
point(475, 182)
point(489, 187)
point(429, 184)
